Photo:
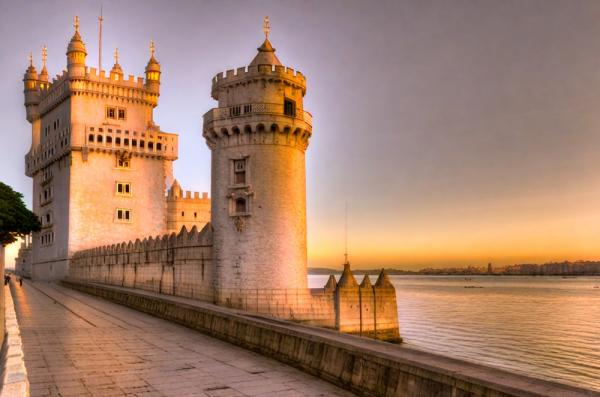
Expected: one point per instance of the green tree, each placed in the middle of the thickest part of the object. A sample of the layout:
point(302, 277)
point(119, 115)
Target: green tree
point(15, 219)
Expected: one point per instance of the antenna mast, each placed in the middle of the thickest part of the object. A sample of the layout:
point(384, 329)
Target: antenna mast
point(346, 234)
point(100, 19)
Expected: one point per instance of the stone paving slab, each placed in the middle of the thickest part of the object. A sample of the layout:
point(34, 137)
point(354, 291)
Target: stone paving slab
point(78, 345)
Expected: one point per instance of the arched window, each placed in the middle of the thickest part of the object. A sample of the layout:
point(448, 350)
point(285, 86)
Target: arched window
point(109, 139)
point(99, 138)
point(158, 146)
point(240, 205)
point(91, 138)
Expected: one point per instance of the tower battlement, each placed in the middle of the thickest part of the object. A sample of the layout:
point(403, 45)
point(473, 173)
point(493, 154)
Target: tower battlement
point(186, 209)
point(241, 75)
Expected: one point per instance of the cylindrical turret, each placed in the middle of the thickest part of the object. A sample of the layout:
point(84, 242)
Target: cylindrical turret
point(31, 91)
point(76, 54)
point(258, 136)
point(153, 74)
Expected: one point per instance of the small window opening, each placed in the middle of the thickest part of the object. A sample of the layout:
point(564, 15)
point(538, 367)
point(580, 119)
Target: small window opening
point(289, 108)
point(240, 205)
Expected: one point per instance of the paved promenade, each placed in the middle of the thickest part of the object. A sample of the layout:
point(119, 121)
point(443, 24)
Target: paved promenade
point(78, 345)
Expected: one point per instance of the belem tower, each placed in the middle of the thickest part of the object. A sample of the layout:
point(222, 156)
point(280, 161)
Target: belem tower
point(113, 213)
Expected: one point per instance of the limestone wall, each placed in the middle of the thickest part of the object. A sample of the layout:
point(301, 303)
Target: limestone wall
point(172, 264)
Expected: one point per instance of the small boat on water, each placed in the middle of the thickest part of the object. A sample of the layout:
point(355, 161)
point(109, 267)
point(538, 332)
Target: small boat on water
point(472, 286)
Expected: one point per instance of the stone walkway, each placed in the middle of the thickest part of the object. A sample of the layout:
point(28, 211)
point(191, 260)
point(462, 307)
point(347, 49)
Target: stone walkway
point(78, 345)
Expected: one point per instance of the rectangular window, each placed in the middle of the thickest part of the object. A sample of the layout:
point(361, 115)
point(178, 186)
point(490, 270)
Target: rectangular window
point(123, 215)
point(123, 163)
point(123, 188)
point(111, 113)
point(235, 111)
point(289, 108)
point(121, 114)
point(239, 171)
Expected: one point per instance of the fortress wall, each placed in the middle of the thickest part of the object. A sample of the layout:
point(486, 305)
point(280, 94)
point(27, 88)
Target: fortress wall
point(171, 264)
point(182, 265)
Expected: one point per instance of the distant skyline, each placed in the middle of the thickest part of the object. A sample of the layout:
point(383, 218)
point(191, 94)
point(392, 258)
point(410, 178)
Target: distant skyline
point(459, 133)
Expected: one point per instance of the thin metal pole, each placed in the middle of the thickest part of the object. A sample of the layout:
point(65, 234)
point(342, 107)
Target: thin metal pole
point(100, 19)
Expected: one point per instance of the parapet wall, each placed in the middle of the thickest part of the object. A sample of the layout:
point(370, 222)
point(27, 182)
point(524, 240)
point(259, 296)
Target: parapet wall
point(172, 264)
point(236, 76)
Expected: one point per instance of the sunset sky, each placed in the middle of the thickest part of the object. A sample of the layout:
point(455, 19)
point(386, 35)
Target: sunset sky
point(459, 132)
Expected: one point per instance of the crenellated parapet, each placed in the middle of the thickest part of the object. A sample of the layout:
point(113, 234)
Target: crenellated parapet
point(150, 249)
point(257, 74)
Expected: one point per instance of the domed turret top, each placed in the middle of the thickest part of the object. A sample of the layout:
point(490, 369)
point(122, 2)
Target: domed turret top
point(266, 52)
point(31, 71)
point(44, 72)
point(76, 44)
point(153, 65)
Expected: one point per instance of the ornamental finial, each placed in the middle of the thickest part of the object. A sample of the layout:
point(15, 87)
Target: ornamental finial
point(266, 27)
point(44, 55)
point(116, 56)
point(30, 59)
point(152, 48)
point(76, 23)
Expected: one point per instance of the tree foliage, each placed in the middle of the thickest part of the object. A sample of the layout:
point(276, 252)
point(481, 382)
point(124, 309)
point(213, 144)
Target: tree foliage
point(15, 219)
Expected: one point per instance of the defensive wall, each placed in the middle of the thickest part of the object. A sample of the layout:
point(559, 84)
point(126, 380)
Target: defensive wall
point(182, 265)
point(361, 365)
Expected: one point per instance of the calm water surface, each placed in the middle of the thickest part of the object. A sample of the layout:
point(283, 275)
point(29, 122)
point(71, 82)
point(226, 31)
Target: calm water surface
point(546, 327)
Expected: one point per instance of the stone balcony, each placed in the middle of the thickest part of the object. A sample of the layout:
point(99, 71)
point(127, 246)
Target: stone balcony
point(251, 110)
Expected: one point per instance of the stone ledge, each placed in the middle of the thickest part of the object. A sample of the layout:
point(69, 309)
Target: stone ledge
point(366, 367)
point(14, 374)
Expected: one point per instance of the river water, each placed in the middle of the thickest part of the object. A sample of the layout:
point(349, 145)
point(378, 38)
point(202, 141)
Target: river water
point(545, 327)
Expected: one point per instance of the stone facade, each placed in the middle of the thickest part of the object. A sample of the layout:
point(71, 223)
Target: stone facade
point(99, 163)
point(258, 136)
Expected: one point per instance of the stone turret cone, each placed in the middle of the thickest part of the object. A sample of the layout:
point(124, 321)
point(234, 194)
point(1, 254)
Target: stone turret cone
point(347, 279)
point(383, 281)
point(175, 190)
point(331, 283)
point(76, 44)
point(266, 55)
point(366, 283)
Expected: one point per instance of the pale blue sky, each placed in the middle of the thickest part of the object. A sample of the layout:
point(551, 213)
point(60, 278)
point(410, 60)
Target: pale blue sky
point(460, 132)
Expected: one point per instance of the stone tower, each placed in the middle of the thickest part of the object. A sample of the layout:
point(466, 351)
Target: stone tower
point(99, 163)
point(258, 136)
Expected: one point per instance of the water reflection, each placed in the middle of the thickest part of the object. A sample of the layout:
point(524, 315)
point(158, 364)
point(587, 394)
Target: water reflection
point(546, 327)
